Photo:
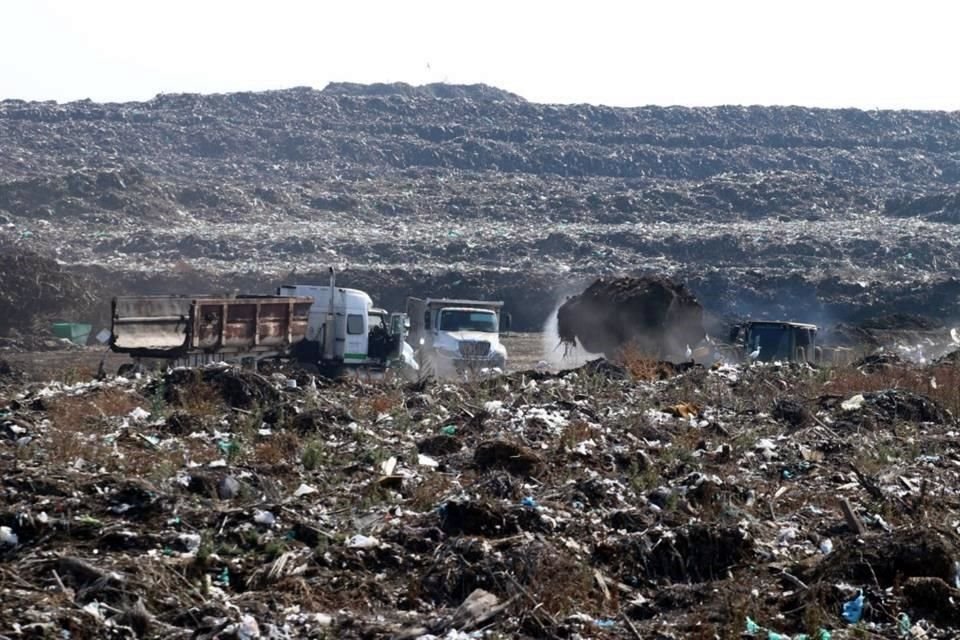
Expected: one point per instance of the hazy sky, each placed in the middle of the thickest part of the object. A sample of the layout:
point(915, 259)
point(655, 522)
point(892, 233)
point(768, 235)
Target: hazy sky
point(629, 52)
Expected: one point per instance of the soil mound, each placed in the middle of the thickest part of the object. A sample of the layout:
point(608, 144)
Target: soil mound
point(655, 314)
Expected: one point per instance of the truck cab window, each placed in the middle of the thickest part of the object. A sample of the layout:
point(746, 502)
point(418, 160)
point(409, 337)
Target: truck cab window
point(354, 324)
point(466, 320)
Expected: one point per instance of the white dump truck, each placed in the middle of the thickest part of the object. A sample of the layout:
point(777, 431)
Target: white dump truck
point(333, 328)
point(454, 337)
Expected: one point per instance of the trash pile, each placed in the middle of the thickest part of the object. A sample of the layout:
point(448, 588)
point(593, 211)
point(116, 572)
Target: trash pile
point(851, 212)
point(769, 501)
point(35, 289)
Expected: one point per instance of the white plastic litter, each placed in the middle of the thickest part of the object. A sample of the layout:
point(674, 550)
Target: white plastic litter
point(388, 465)
point(854, 403)
point(303, 490)
point(190, 540)
point(492, 406)
point(264, 517)
point(8, 537)
point(427, 461)
point(94, 609)
point(139, 414)
point(248, 629)
point(363, 542)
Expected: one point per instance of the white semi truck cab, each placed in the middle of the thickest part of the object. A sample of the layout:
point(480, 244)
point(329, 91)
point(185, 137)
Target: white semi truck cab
point(344, 329)
point(450, 336)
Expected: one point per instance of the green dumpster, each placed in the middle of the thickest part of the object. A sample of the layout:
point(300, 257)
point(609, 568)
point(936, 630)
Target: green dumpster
point(75, 332)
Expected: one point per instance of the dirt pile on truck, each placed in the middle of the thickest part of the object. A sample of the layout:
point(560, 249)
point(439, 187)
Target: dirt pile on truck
point(656, 315)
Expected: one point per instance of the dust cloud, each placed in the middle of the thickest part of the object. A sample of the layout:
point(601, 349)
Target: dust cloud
point(559, 355)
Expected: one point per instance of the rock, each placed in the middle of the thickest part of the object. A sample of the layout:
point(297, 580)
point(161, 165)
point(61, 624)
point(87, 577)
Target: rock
point(879, 362)
point(934, 598)
point(464, 517)
point(478, 606)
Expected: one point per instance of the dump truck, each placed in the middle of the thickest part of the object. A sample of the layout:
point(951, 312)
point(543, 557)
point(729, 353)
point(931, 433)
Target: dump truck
point(199, 329)
point(774, 340)
point(334, 329)
point(453, 337)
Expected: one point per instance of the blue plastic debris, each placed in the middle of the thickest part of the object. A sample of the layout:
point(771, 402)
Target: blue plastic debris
point(752, 627)
point(853, 609)
point(904, 625)
point(604, 624)
point(529, 502)
point(227, 447)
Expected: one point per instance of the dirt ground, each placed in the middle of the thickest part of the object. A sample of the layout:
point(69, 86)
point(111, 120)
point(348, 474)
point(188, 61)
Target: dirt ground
point(524, 351)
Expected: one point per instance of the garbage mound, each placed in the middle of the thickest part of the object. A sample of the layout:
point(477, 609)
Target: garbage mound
point(712, 502)
point(35, 290)
point(884, 408)
point(435, 90)
point(850, 216)
point(951, 357)
point(875, 362)
point(652, 314)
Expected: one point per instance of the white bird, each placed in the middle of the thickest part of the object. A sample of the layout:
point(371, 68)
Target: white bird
point(689, 353)
point(955, 336)
point(755, 353)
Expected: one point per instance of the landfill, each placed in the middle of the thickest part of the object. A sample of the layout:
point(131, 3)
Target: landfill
point(649, 495)
point(473, 192)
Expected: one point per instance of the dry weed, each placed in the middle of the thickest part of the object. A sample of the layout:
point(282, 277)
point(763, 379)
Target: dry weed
point(280, 448)
point(381, 403)
point(941, 383)
point(201, 399)
point(575, 433)
point(76, 412)
point(562, 585)
point(641, 365)
point(428, 494)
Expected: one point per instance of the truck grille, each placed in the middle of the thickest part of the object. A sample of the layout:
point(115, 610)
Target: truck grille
point(474, 348)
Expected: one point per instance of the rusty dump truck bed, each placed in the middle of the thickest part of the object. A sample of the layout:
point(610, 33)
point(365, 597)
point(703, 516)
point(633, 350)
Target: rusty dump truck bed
point(181, 326)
